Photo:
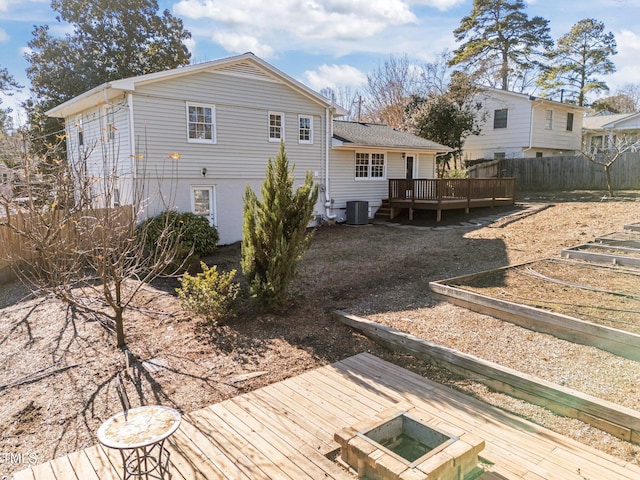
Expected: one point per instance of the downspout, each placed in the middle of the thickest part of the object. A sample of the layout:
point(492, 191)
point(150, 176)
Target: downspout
point(530, 147)
point(327, 146)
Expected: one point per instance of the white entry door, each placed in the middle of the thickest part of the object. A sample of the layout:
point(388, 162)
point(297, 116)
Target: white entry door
point(203, 202)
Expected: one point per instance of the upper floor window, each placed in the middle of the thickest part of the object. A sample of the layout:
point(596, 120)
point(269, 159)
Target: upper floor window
point(549, 120)
point(569, 122)
point(109, 124)
point(79, 128)
point(500, 118)
point(201, 124)
point(305, 124)
point(276, 126)
point(370, 165)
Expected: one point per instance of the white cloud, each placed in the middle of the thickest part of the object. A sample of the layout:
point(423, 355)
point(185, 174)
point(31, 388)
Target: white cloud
point(442, 5)
point(4, 36)
point(308, 21)
point(333, 76)
point(627, 68)
point(239, 43)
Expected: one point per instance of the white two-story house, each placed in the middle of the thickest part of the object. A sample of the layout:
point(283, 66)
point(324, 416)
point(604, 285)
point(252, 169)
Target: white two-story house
point(193, 138)
point(518, 125)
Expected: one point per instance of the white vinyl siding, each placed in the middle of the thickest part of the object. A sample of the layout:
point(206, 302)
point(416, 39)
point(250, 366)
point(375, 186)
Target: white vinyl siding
point(305, 129)
point(276, 126)
point(242, 110)
point(526, 131)
point(201, 123)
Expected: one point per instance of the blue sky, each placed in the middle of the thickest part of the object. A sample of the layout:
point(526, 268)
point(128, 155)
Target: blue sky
point(331, 42)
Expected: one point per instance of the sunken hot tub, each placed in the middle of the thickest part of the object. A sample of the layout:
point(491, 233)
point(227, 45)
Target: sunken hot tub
point(404, 446)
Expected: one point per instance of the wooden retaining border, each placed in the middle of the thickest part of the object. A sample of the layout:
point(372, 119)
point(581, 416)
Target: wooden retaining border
point(590, 253)
point(618, 242)
point(619, 342)
point(633, 226)
point(615, 419)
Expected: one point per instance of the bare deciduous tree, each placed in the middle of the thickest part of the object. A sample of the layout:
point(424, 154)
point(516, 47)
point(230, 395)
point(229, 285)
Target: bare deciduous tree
point(608, 154)
point(389, 90)
point(76, 242)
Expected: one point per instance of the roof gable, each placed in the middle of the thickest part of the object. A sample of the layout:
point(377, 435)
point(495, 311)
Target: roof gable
point(247, 65)
point(612, 122)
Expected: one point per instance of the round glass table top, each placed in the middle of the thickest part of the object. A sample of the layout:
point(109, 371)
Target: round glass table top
point(139, 427)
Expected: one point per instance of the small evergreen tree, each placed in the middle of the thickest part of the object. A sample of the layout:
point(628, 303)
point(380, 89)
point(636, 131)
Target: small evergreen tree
point(275, 236)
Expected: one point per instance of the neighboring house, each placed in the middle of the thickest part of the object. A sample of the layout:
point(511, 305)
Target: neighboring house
point(198, 135)
point(603, 131)
point(6, 181)
point(517, 125)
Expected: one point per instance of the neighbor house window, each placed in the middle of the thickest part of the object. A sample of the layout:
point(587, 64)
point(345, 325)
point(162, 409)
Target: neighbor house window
point(78, 126)
point(500, 118)
point(597, 143)
point(549, 120)
point(305, 125)
point(276, 126)
point(569, 122)
point(539, 154)
point(201, 123)
point(116, 197)
point(499, 155)
point(109, 125)
point(370, 165)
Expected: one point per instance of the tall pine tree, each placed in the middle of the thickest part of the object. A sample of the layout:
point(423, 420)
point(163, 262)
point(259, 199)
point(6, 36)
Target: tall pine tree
point(579, 57)
point(501, 43)
point(275, 236)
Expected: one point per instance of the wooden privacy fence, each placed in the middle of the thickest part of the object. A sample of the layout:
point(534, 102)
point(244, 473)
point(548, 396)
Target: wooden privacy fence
point(14, 248)
point(449, 193)
point(563, 173)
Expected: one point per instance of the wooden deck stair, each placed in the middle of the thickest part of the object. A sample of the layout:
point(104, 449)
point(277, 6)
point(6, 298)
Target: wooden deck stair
point(384, 212)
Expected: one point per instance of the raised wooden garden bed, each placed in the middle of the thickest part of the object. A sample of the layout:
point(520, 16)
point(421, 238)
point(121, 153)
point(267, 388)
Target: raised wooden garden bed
point(597, 305)
point(633, 227)
point(605, 253)
point(627, 238)
point(619, 421)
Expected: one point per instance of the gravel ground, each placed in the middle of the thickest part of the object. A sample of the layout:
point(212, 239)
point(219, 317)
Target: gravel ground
point(377, 271)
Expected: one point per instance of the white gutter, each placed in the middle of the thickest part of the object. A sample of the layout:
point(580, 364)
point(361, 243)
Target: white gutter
point(327, 143)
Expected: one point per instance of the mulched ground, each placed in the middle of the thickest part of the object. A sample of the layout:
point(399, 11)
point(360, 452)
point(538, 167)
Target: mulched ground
point(59, 368)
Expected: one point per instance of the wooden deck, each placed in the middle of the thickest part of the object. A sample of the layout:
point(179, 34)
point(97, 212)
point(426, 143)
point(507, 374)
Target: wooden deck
point(449, 194)
point(284, 431)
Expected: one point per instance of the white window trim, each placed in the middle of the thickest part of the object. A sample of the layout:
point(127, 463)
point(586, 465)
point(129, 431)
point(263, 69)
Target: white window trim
point(109, 123)
point(310, 141)
point(214, 133)
point(369, 178)
point(274, 139)
point(213, 203)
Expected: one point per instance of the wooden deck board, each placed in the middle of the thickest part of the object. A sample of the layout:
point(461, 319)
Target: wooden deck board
point(283, 431)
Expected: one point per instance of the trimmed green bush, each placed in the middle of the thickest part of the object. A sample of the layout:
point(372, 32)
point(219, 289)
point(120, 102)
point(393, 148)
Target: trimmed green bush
point(193, 232)
point(274, 234)
point(210, 294)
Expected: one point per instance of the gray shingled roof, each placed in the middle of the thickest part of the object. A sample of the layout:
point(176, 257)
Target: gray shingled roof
point(597, 122)
point(360, 134)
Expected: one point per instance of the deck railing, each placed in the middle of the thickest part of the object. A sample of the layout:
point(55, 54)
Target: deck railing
point(442, 189)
